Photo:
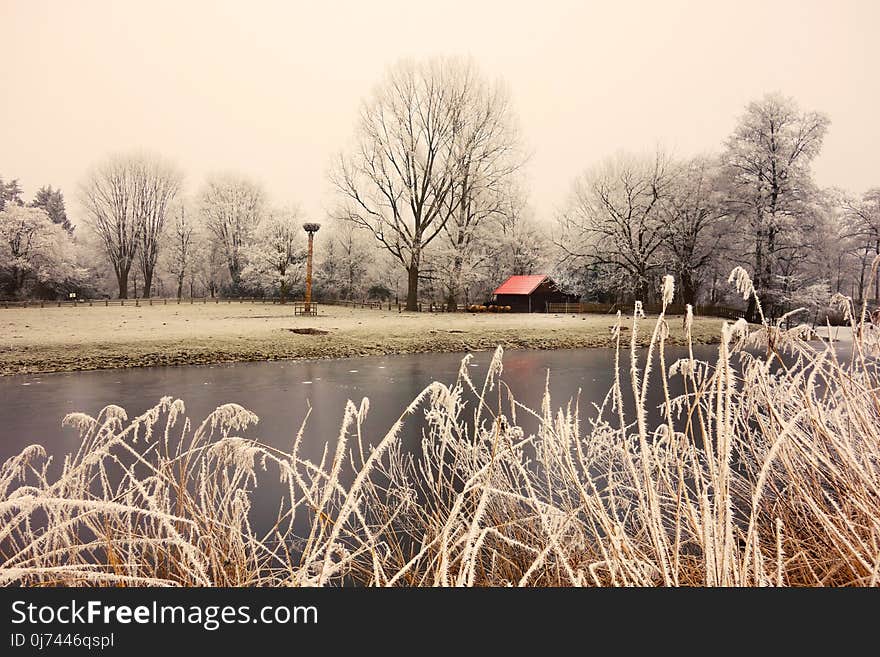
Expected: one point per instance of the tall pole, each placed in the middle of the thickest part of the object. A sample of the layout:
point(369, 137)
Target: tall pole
point(309, 273)
point(311, 229)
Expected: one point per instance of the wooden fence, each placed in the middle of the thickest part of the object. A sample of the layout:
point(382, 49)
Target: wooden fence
point(651, 309)
point(155, 301)
point(73, 303)
point(426, 306)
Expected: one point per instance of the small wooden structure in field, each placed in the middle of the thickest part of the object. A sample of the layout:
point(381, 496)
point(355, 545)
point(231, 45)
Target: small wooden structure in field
point(529, 294)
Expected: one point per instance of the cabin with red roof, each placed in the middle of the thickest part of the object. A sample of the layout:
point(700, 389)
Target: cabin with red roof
point(529, 294)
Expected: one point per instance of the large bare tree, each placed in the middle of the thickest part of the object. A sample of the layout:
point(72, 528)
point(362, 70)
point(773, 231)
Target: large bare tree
point(771, 189)
point(232, 207)
point(397, 181)
point(126, 199)
point(156, 185)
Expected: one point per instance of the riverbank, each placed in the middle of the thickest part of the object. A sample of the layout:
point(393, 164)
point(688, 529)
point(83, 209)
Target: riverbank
point(37, 340)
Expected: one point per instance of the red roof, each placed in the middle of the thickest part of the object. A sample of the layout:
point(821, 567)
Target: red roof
point(520, 284)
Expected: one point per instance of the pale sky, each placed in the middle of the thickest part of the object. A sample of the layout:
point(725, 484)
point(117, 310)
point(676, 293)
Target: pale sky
point(272, 89)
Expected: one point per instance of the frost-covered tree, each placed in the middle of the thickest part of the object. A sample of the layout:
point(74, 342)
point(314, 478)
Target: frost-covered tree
point(211, 263)
point(611, 231)
point(181, 244)
point(524, 246)
point(506, 241)
point(276, 256)
point(52, 201)
point(486, 146)
point(862, 221)
point(231, 207)
point(126, 199)
point(10, 193)
point(345, 260)
point(158, 183)
point(769, 181)
point(34, 250)
point(692, 222)
point(397, 180)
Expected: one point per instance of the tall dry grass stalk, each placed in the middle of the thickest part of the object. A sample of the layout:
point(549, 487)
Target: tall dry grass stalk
point(765, 471)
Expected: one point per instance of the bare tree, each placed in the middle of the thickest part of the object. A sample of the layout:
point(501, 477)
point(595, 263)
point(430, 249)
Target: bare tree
point(397, 181)
point(126, 199)
point(108, 198)
point(156, 185)
point(613, 222)
point(862, 218)
point(231, 207)
point(692, 215)
point(352, 255)
point(212, 266)
point(524, 244)
point(768, 160)
point(181, 245)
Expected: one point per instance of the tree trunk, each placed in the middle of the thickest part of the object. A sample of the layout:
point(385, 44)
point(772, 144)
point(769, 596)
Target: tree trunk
point(282, 291)
point(862, 278)
point(17, 281)
point(767, 300)
point(455, 285)
point(148, 283)
point(877, 276)
point(122, 280)
point(688, 288)
point(180, 286)
point(235, 275)
point(642, 287)
point(752, 310)
point(412, 287)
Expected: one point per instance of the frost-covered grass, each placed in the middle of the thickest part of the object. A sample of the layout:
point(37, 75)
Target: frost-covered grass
point(58, 339)
point(765, 472)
